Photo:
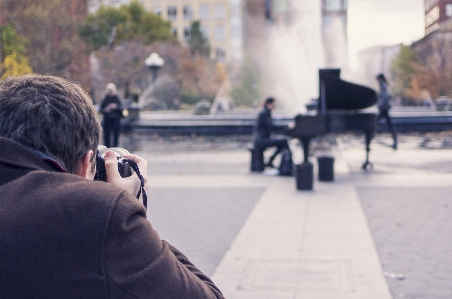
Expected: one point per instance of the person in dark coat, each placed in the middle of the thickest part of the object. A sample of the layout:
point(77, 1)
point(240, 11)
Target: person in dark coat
point(62, 234)
point(111, 108)
point(263, 129)
point(384, 105)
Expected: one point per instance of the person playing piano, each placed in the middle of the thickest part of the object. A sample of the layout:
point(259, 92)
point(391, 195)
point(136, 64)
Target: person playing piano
point(384, 105)
point(262, 132)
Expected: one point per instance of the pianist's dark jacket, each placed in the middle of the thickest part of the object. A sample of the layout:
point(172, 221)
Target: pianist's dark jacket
point(264, 125)
point(63, 236)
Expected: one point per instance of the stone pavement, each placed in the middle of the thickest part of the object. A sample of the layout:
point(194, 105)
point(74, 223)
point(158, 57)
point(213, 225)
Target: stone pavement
point(258, 237)
point(298, 244)
point(407, 201)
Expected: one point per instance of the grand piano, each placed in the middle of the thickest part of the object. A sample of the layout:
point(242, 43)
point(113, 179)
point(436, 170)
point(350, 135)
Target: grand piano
point(339, 109)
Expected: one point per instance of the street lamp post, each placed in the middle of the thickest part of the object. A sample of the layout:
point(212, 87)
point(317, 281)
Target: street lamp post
point(154, 62)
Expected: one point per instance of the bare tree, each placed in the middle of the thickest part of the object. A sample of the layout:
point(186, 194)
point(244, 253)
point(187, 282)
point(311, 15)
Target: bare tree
point(194, 77)
point(50, 26)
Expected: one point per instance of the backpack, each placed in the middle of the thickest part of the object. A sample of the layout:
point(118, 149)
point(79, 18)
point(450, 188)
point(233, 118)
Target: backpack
point(286, 165)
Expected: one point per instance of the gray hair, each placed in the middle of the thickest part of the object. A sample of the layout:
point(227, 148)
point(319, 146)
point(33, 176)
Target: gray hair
point(111, 87)
point(51, 115)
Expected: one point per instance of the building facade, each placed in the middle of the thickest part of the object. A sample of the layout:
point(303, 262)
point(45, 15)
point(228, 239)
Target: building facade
point(376, 60)
point(436, 13)
point(221, 23)
point(93, 5)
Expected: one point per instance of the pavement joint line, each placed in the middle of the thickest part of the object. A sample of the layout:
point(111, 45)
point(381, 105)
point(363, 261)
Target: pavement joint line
point(261, 257)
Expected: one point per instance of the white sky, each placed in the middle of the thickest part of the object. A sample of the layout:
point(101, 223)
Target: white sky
point(383, 22)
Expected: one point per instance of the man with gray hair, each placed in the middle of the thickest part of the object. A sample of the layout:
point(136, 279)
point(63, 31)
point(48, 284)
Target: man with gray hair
point(62, 234)
point(112, 110)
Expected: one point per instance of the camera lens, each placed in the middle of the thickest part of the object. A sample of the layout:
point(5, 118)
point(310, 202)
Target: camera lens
point(123, 166)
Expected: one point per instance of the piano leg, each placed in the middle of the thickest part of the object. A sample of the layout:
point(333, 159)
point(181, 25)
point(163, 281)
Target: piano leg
point(305, 142)
point(367, 163)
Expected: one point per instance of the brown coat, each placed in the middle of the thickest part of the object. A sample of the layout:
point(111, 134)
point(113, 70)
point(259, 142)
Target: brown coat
point(62, 236)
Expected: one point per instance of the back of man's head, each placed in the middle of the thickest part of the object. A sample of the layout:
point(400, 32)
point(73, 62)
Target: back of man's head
point(51, 115)
point(269, 100)
point(381, 77)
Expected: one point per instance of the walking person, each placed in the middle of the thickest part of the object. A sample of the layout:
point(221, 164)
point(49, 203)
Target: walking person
point(384, 105)
point(111, 108)
point(264, 127)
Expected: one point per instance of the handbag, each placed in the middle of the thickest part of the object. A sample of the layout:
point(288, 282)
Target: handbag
point(384, 104)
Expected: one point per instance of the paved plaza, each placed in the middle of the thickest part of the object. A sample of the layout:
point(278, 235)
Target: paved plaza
point(380, 234)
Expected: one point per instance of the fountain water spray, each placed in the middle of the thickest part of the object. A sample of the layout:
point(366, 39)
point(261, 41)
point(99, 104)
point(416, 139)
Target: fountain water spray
point(289, 50)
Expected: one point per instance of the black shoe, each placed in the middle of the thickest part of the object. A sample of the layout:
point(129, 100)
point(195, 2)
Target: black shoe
point(394, 146)
point(269, 165)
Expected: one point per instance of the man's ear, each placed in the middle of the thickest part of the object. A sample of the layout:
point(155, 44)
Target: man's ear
point(84, 165)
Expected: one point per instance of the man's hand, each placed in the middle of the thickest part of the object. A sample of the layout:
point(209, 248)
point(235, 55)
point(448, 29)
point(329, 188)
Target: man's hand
point(132, 183)
point(110, 107)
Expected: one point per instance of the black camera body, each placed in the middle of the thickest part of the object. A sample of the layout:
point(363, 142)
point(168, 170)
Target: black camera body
point(123, 166)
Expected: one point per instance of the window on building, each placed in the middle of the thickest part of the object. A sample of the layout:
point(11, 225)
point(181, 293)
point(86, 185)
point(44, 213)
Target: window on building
point(188, 13)
point(220, 33)
point(174, 31)
point(220, 54)
point(172, 13)
point(186, 33)
point(449, 10)
point(220, 11)
point(205, 31)
point(432, 16)
point(204, 12)
point(429, 4)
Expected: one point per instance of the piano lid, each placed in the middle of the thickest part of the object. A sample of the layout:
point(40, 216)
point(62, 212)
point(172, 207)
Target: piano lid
point(337, 94)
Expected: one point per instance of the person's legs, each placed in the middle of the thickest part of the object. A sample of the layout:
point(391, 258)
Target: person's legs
point(106, 126)
point(379, 116)
point(393, 131)
point(385, 114)
point(116, 130)
point(280, 144)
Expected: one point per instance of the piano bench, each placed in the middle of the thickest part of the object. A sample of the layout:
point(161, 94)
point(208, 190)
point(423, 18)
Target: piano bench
point(257, 159)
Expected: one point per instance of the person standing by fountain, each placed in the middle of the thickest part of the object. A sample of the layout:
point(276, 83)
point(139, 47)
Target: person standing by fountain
point(262, 132)
point(384, 105)
point(111, 108)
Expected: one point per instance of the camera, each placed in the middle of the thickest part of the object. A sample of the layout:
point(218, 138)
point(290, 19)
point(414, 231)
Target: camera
point(123, 164)
point(125, 167)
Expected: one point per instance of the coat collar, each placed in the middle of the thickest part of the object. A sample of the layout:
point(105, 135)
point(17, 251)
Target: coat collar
point(19, 156)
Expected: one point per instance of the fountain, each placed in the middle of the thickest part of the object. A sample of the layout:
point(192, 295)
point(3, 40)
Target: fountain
point(293, 42)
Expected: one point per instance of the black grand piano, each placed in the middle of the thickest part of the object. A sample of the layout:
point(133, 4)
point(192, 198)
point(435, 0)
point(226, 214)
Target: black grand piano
point(339, 109)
